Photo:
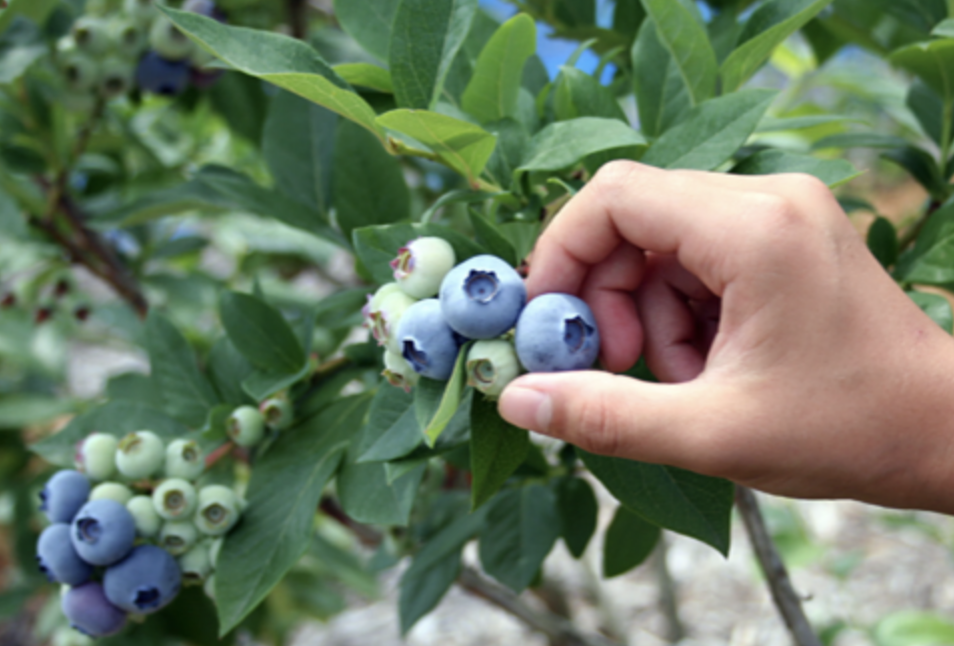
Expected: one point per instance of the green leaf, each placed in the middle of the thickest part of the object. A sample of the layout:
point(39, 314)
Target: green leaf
point(923, 167)
point(283, 494)
point(928, 107)
point(944, 29)
point(260, 333)
point(914, 628)
point(577, 94)
point(522, 526)
point(262, 384)
point(685, 502)
point(135, 387)
point(492, 92)
point(186, 391)
point(298, 146)
point(496, 450)
point(488, 236)
point(564, 144)
point(774, 124)
point(712, 132)
point(629, 541)
point(22, 409)
point(34, 10)
point(242, 102)
point(661, 96)
point(462, 146)
point(369, 22)
point(425, 38)
point(365, 75)
point(859, 140)
point(578, 510)
point(450, 400)
point(182, 197)
point(931, 61)
point(931, 261)
point(392, 410)
point(831, 171)
point(281, 60)
point(937, 307)
point(687, 42)
point(359, 158)
point(883, 241)
point(766, 29)
point(20, 47)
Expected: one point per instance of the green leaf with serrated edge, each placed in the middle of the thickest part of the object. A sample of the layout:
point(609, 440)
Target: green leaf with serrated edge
point(366, 75)
point(462, 146)
point(298, 147)
point(831, 171)
point(882, 241)
point(931, 261)
point(421, 584)
point(358, 156)
point(688, 44)
point(393, 411)
point(564, 144)
point(425, 38)
point(492, 92)
point(227, 369)
point(281, 60)
point(937, 307)
point(377, 246)
point(497, 448)
point(522, 526)
point(282, 495)
point(451, 399)
point(577, 94)
point(369, 23)
point(859, 140)
point(186, 391)
point(488, 236)
point(765, 30)
point(260, 333)
point(116, 418)
point(578, 509)
point(628, 542)
point(22, 409)
point(685, 502)
point(711, 133)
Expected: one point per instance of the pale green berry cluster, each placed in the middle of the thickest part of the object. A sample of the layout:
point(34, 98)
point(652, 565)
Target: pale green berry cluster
point(246, 425)
point(157, 482)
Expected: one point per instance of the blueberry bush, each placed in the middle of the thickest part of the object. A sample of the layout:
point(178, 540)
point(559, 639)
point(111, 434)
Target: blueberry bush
point(309, 224)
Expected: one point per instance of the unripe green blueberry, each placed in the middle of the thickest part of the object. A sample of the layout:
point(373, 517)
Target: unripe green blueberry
point(184, 460)
point(148, 522)
point(140, 454)
point(141, 12)
point(277, 412)
point(422, 264)
point(218, 511)
point(174, 499)
point(385, 318)
point(491, 365)
point(115, 76)
point(246, 426)
point(80, 71)
point(128, 38)
point(91, 35)
point(195, 564)
point(399, 372)
point(97, 456)
point(214, 548)
point(209, 587)
point(178, 536)
point(111, 491)
point(168, 41)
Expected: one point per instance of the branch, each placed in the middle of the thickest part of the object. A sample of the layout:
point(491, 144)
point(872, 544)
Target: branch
point(783, 593)
point(675, 630)
point(298, 18)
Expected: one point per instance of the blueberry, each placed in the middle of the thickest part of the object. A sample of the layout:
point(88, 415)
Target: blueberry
point(491, 365)
point(427, 342)
point(112, 491)
point(178, 536)
point(116, 76)
point(482, 297)
point(557, 332)
point(174, 499)
point(97, 456)
point(57, 558)
point(148, 522)
point(143, 582)
point(80, 71)
point(103, 532)
point(399, 372)
point(90, 612)
point(206, 8)
point(385, 315)
point(168, 41)
point(245, 426)
point(184, 460)
point(141, 12)
point(196, 564)
point(91, 35)
point(421, 266)
point(128, 38)
point(65, 492)
point(277, 412)
point(160, 76)
point(218, 510)
point(141, 454)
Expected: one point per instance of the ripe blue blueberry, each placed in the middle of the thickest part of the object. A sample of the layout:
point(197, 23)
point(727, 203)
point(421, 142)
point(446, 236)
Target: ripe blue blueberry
point(143, 582)
point(557, 332)
point(103, 532)
point(90, 612)
point(57, 558)
point(63, 495)
point(482, 297)
point(427, 342)
point(159, 76)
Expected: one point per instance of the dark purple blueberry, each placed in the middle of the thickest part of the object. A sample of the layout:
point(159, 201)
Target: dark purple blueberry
point(159, 76)
point(90, 612)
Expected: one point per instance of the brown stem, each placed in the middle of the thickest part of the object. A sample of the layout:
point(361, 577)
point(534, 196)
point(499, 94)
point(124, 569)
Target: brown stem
point(783, 593)
point(298, 18)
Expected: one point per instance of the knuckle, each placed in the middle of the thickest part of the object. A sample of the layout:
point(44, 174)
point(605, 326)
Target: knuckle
point(806, 186)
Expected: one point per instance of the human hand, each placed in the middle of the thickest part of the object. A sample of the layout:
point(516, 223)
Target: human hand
point(795, 363)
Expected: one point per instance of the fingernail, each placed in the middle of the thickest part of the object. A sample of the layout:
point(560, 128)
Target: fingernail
point(526, 408)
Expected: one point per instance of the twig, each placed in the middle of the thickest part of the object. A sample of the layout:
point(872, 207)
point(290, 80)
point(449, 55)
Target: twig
point(556, 628)
point(783, 593)
point(675, 630)
point(915, 230)
point(298, 18)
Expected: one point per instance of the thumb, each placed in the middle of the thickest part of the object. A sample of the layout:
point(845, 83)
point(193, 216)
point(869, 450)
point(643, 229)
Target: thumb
point(615, 415)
